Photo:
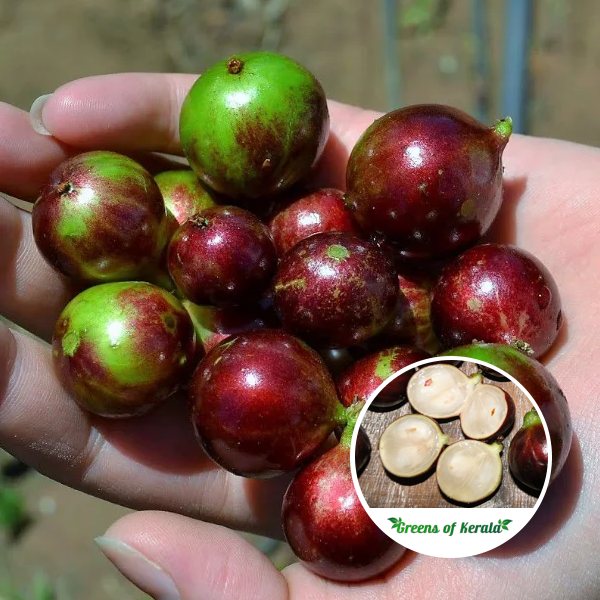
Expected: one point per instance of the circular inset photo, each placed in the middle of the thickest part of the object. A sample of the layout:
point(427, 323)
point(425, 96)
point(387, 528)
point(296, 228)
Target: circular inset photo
point(451, 434)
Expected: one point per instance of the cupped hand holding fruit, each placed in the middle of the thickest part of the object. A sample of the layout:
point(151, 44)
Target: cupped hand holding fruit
point(550, 187)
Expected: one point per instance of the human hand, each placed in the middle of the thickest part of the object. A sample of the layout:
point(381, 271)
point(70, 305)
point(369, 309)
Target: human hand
point(154, 462)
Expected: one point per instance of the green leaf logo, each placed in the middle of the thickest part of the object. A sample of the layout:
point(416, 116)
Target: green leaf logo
point(396, 523)
point(505, 523)
point(393, 520)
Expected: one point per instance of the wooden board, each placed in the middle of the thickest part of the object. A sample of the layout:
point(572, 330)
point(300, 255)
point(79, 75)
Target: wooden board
point(382, 490)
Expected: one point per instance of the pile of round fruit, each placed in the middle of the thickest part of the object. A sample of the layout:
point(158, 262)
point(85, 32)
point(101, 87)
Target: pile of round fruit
point(237, 282)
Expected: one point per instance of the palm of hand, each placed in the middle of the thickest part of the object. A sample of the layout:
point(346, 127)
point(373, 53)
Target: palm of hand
point(154, 462)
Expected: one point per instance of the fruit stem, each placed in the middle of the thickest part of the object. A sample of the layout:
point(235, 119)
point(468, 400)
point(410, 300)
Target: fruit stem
point(234, 65)
point(504, 127)
point(475, 379)
point(497, 447)
point(531, 418)
point(351, 413)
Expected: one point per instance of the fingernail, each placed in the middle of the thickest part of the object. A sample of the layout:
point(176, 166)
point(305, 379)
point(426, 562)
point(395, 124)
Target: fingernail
point(141, 571)
point(36, 114)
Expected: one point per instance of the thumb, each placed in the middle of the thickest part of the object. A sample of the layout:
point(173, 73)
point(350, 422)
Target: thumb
point(171, 557)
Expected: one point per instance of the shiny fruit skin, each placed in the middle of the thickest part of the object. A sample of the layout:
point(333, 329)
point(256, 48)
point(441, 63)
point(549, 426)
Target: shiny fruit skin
point(100, 217)
point(120, 348)
point(363, 450)
point(542, 386)
point(335, 290)
point(222, 256)
point(263, 403)
point(254, 124)
point(497, 293)
point(317, 212)
point(183, 194)
point(528, 456)
point(428, 178)
point(361, 379)
point(327, 527)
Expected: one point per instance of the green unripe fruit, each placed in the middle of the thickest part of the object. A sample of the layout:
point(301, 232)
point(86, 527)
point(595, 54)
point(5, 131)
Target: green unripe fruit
point(254, 124)
point(120, 348)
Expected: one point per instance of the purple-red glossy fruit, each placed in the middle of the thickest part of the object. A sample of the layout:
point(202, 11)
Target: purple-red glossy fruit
point(120, 348)
point(542, 386)
point(335, 290)
point(100, 217)
point(316, 212)
point(326, 525)
point(497, 293)
point(428, 178)
point(528, 452)
point(411, 323)
point(362, 452)
point(263, 403)
point(214, 324)
point(183, 194)
point(222, 256)
point(360, 380)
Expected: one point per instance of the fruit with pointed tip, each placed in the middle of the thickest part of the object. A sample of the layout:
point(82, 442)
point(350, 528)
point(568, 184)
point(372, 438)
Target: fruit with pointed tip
point(428, 178)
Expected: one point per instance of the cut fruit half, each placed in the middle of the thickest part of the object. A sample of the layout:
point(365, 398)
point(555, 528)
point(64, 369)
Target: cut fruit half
point(410, 445)
point(469, 471)
point(489, 412)
point(441, 391)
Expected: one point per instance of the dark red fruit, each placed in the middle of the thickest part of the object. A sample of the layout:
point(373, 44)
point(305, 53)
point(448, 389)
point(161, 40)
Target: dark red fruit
point(263, 402)
point(411, 324)
point(528, 453)
point(317, 212)
point(327, 526)
point(100, 217)
point(542, 386)
point(337, 359)
point(428, 178)
point(368, 373)
point(362, 452)
point(223, 255)
point(497, 293)
point(335, 290)
point(215, 324)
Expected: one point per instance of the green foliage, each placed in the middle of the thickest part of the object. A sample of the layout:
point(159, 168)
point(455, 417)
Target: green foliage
point(13, 514)
point(423, 16)
point(40, 589)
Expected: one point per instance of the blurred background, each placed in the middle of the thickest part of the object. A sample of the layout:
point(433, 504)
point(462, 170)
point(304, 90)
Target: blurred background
point(537, 60)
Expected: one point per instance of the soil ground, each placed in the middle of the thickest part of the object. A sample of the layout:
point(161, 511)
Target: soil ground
point(45, 43)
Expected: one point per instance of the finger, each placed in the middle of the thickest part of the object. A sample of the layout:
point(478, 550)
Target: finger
point(26, 158)
point(140, 112)
point(148, 462)
point(175, 558)
point(32, 294)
